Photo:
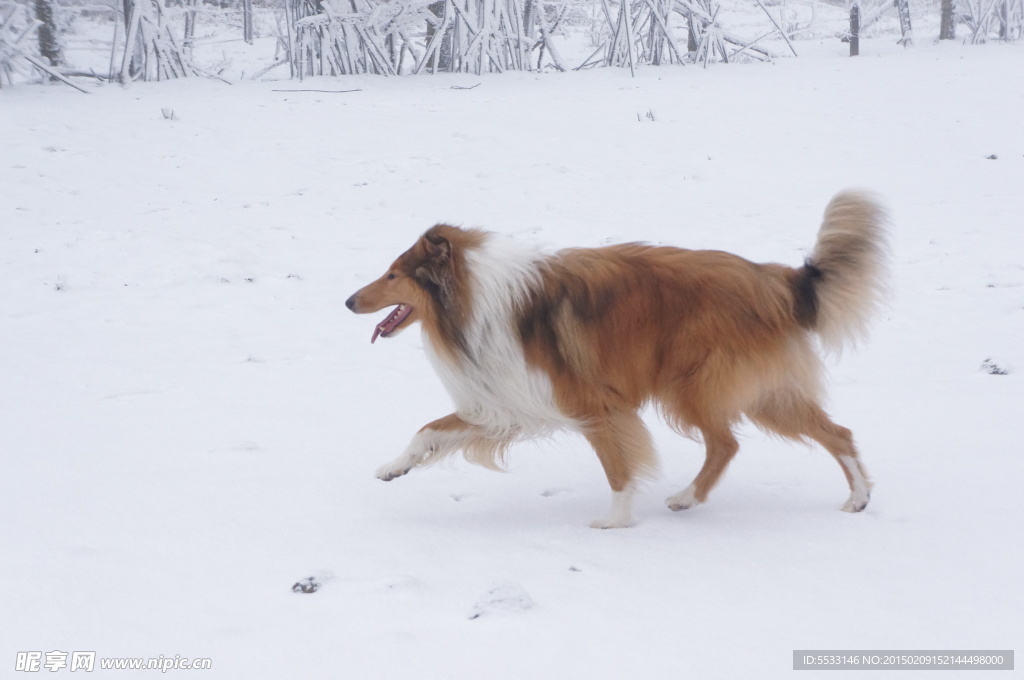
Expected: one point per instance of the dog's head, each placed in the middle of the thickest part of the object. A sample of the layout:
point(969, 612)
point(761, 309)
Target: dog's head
point(425, 282)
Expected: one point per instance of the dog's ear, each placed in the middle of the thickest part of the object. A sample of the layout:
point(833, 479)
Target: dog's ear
point(439, 249)
point(434, 267)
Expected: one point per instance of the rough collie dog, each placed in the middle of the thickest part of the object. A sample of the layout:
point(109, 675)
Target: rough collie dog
point(528, 342)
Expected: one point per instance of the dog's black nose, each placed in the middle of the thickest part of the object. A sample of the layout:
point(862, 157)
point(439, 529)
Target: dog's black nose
point(351, 302)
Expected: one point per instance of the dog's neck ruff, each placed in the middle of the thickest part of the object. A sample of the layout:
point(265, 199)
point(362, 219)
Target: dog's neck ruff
point(491, 384)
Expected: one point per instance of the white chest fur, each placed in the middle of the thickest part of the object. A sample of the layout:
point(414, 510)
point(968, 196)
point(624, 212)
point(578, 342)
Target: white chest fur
point(495, 388)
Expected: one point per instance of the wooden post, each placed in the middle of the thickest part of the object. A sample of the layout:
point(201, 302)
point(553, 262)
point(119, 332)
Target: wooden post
point(947, 27)
point(49, 35)
point(290, 18)
point(189, 35)
point(903, 8)
point(855, 30)
point(247, 21)
point(626, 22)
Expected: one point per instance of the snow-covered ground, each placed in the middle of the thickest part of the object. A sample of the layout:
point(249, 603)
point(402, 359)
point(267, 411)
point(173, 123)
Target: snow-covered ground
point(190, 418)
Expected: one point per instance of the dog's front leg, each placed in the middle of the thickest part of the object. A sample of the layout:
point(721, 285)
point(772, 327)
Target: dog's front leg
point(435, 440)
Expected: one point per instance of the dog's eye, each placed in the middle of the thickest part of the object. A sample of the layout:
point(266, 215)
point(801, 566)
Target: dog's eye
point(390, 276)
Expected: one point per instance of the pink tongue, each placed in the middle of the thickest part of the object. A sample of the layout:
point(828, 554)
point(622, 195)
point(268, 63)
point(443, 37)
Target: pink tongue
point(391, 322)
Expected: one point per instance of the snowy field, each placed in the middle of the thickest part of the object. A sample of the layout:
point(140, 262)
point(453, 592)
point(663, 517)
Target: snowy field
point(190, 418)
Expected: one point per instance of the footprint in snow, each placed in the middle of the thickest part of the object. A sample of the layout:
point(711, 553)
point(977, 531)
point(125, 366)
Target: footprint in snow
point(992, 368)
point(502, 598)
point(313, 583)
point(555, 491)
point(310, 584)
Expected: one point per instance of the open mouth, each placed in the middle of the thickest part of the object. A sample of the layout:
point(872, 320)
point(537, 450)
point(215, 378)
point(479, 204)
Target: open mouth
point(394, 320)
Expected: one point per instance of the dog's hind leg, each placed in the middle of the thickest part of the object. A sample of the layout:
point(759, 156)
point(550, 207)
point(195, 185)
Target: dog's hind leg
point(624, 447)
point(438, 439)
point(798, 418)
point(720, 448)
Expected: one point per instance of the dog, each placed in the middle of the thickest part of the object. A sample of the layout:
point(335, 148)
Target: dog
point(528, 342)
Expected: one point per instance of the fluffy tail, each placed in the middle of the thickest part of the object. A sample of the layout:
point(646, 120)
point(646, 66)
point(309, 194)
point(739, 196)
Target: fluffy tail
point(843, 284)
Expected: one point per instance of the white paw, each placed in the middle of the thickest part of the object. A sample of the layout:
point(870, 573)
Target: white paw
point(856, 502)
point(621, 515)
point(684, 500)
point(861, 493)
point(613, 523)
point(393, 470)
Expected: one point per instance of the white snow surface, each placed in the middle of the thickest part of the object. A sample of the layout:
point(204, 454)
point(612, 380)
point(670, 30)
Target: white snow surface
point(190, 418)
